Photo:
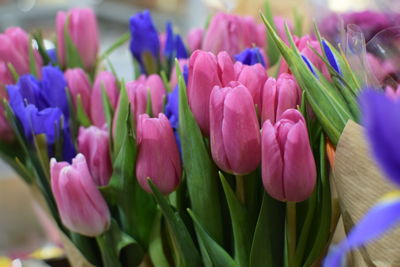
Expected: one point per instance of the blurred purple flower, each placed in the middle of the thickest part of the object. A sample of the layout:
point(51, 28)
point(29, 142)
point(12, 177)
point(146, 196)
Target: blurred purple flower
point(251, 56)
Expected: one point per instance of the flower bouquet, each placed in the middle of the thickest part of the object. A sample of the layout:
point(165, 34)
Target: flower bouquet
point(218, 153)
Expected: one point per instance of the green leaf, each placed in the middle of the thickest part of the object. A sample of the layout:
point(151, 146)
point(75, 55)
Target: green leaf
point(298, 23)
point(40, 143)
point(272, 51)
point(185, 244)
point(32, 61)
point(323, 213)
point(118, 43)
point(37, 36)
point(13, 71)
point(201, 173)
point(268, 242)
point(240, 224)
point(148, 104)
point(121, 123)
point(72, 56)
point(81, 115)
point(165, 81)
point(108, 113)
point(156, 249)
point(111, 244)
point(150, 63)
point(219, 257)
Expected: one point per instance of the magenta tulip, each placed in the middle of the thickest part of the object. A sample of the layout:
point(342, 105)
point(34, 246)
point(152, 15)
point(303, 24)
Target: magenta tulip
point(80, 204)
point(14, 50)
point(278, 96)
point(107, 81)
point(84, 34)
point(94, 144)
point(234, 130)
point(194, 39)
point(158, 156)
point(231, 33)
point(78, 84)
point(288, 166)
point(206, 71)
point(253, 78)
point(157, 90)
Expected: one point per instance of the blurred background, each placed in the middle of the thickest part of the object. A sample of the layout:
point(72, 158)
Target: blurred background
point(21, 229)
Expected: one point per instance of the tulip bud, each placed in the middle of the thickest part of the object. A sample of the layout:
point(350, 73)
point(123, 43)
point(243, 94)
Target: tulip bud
point(195, 38)
point(205, 72)
point(155, 84)
point(107, 81)
point(288, 166)
point(14, 49)
point(231, 33)
point(253, 78)
point(80, 204)
point(393, 94)
point(278, 96)
point(203, 76)
point(78, 84)
point(234, 130)
point(83, 31)
point(158, 155)
point(94, 144)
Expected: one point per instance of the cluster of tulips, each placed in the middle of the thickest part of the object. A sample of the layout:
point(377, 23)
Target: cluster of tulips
point(109, 156)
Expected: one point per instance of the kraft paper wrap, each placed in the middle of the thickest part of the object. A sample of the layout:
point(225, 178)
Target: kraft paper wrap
point(360, 184)
point(75, 257)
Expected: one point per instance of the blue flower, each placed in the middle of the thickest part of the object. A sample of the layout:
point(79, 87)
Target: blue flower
point(52, 53)
point(331, 57)
point(41, 105)
point(309, 65)
point(172, 107)
point(381, 120)
point(174, 46)
point(250, 56)
point(380, 218)
point(144, 37)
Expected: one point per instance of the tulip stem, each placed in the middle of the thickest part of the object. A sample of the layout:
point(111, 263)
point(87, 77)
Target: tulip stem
point(109, 253)
point(240, 188)
point(291, 232)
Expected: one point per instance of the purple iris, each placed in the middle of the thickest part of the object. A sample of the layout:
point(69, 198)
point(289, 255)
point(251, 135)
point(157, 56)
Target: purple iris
point(144, 37)
point(174, 46)
point(172, 107)
point(381, 119)
point(41, 105)
point(251, 56)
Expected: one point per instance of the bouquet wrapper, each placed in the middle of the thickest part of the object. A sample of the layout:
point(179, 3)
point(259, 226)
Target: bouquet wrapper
point(360, 184)
point(74, 256)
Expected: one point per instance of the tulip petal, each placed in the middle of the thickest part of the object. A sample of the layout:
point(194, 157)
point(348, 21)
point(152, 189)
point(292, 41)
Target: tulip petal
point(272, 164)
point(299, 171)
point(241, 131)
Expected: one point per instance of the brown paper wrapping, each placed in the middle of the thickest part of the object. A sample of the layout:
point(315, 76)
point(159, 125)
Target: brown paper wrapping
point(360, 184)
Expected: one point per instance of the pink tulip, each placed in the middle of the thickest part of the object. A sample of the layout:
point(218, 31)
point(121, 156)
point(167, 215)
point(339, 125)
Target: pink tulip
point(158, 155)
point(80, 204)
point(303, 44)
point(234, 130)
point(231, 33)
point(94, 144)
point(14, 49)
point(288, 166)
point(280, 28)
point(84, 34)
point(278, 96)
point(78, 84)
point(157, 90)
point(206, 71)
point(253, 77)
point(173, 81)
point(107, 81)
point(194, 38)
